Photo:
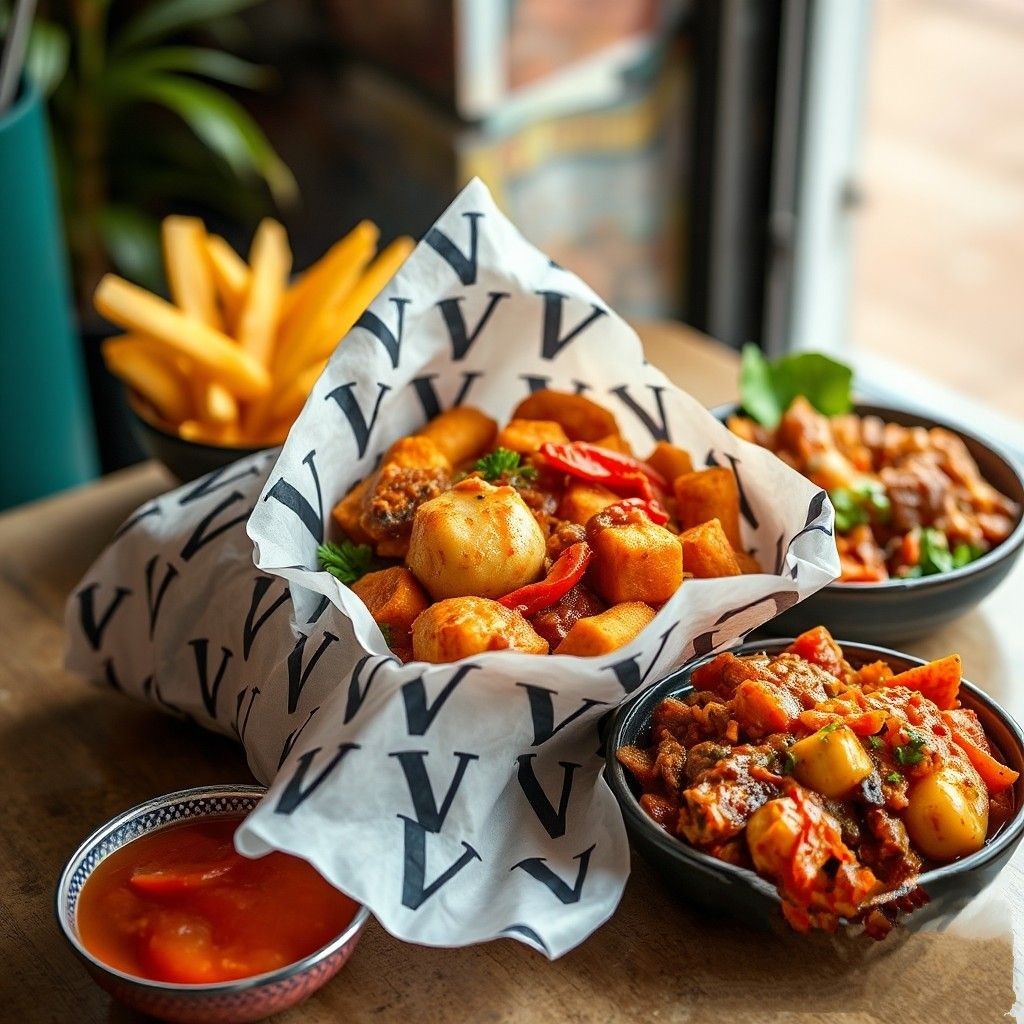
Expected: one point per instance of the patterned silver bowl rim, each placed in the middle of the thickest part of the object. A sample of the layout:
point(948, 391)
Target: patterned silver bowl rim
point(131, 824)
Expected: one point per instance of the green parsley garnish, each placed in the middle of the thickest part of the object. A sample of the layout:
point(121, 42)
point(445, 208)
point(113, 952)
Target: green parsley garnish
point(876, 742)
point(788, 762)
point(912, 752)
point(346, 561)
point(768, 388)
point(502, 462)
point(866, 502)
point(936, 556)
point(894, 778)
point(825, 730)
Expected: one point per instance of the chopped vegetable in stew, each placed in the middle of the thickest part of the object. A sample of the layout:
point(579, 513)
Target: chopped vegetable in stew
point(839, 784)
point(909, 501)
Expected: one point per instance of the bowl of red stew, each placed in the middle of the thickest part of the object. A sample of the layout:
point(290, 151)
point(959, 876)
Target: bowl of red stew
point(815, 785)
point(929, 518)
point(171, 921)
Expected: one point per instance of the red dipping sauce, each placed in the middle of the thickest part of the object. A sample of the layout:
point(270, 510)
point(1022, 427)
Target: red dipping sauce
point(180, 905)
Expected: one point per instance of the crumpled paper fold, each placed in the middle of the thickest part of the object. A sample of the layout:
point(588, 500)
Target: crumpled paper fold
point(459, 802)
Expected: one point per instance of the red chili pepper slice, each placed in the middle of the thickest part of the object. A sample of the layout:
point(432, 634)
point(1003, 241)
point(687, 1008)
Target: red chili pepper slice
point(603, 466)
point(567, 571)
point(653, 508)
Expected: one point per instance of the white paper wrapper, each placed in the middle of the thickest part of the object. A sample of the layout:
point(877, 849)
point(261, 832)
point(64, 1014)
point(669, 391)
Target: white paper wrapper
point(459, 802)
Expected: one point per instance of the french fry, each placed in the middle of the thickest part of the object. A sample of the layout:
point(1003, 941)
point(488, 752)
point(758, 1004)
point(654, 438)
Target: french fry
point(377, 274)
point(312, 317)
point(231, 277)
point(364, 236)
point(215, 354)
point(271, 260)
point(190, 278)
point(287, 402)
point(151, 375)
point(206, 433)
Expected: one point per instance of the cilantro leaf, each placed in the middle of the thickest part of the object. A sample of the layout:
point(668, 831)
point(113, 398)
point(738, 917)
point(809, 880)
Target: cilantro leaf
point(894, 778)
point(788, 762)
point(346, 561)
point(767, 388)
point(911, 752)
point(865, 502)
point(504, 463)
point(876, 742)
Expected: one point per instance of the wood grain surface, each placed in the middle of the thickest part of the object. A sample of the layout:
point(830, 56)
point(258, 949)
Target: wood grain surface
point(72, 755)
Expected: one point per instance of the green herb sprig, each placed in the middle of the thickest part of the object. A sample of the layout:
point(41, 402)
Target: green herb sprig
point(504, 463)
point(768, 388)
point(345, 561)
point(911, 752)
point(937, 557)
point(865, 502)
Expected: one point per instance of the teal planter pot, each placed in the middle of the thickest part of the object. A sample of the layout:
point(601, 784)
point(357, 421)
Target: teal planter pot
point(46, 434)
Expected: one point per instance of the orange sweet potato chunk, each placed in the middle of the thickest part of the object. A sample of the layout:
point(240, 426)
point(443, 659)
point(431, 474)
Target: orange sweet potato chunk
point(581, 501)
point(526, 436)
point(709, 494)
point(612, 629)
point(707, 552)
point(394, 599)
point(669, 460)
point(638, 561)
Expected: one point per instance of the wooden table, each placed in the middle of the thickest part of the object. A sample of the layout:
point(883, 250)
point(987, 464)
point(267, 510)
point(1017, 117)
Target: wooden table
point(72, 755)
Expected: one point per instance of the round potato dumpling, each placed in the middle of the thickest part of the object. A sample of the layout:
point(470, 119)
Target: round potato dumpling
point(462, 626)
point(947, 813)
point(475, 539)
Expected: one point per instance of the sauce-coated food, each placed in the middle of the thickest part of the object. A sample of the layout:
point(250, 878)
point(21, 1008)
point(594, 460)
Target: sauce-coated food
point(547, 536)
point(180, 905)
point(838, 784)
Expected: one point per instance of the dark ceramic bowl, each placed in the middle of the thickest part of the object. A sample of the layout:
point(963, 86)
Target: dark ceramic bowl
point(187, 460)
point(899, 610)
point(725, 888)
point(228, 1002)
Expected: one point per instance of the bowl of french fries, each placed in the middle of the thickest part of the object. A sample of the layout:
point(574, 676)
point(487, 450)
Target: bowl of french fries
point(221, 367)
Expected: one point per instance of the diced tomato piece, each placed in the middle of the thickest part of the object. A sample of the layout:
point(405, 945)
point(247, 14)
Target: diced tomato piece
point(818, 647)
point(939, 681)
point(996, 776)
point(180, 878)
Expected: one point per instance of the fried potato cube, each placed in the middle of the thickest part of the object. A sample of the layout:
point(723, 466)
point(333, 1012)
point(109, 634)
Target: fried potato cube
point(636, 561)
point(582, 501)
point(669, 460)
point(747, 563)
point(709, 494)
point(526, 436)
point(394, 599)
point(462, 626)
point(707, 552)
point(601, 634)
point(615, 443)
point(416, 452)
point(582, 419)
point(348, 513)
point(461, 433)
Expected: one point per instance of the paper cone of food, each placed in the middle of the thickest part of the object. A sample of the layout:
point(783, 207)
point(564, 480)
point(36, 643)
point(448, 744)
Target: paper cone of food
point(461, 800)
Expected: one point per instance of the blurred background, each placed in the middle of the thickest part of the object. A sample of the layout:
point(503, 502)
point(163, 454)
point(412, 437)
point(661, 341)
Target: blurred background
point(843, 175)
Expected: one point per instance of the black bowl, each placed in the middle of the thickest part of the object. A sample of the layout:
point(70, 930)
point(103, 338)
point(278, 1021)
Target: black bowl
point(725, 888)
point(905, 609)
point(187, 460)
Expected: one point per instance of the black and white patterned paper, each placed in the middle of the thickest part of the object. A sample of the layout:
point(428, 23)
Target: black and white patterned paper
point(459, 802)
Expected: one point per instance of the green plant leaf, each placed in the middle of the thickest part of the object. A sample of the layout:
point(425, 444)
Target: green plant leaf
point(132, 241)
point(121, 76)
point(767, 389)
point(224, 126)
point(46, 60)
point(757, 392)
point(158, 20)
